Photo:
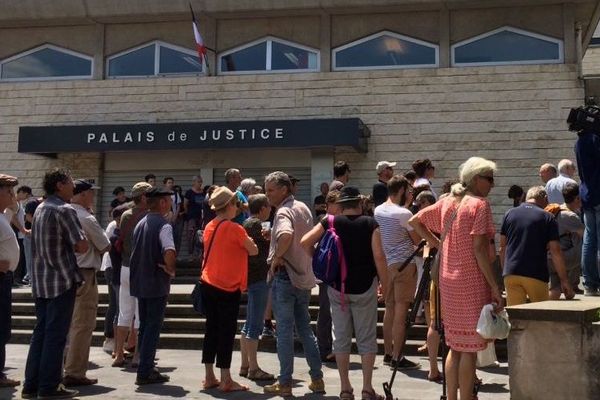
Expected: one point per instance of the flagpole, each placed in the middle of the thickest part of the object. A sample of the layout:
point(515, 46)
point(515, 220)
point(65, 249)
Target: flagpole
point(201, 48)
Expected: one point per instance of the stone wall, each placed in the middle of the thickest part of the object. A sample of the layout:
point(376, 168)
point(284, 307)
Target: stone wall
point(591, 62)
point(513, 115)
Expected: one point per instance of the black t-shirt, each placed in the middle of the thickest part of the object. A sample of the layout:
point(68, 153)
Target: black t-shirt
point(30, 207)
point(528, 229)
point(116, 202)
point(319, 200)
point(355, 232)
point(380, 193)
point(257, 265)
point(195, 200)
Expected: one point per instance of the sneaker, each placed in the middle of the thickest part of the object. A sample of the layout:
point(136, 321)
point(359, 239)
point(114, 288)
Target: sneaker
point(71, 381)
point(317, 386)
point(154, 377)
point(387, 359)
point(404, 364)
point(109, 345)
point(268, 332)
point(591, 292)
point(60, 392)
point(278, 389)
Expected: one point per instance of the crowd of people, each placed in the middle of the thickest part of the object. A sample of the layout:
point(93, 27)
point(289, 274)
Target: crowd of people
point(261, 240)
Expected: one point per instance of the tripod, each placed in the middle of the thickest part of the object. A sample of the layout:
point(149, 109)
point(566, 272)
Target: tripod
point(422, 288)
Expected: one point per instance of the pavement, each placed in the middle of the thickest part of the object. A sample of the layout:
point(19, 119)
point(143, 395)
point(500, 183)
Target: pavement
point(186, 372)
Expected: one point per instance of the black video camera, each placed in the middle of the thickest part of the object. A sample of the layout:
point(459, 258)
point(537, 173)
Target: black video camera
point(584, 118)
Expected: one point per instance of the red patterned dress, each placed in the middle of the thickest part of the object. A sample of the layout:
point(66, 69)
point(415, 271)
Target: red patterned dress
point(464, 290)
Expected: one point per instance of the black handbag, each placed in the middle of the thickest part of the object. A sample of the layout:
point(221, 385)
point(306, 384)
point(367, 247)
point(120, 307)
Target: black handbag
point(196, 295)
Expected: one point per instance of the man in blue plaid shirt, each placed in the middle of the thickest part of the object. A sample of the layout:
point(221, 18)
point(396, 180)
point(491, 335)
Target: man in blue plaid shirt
point(56, 236)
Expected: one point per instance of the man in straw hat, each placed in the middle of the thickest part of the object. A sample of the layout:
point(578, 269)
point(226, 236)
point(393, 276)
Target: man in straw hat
point(9, 259)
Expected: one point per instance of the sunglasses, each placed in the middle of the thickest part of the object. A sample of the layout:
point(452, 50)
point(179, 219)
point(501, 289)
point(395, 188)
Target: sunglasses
point(490, 179)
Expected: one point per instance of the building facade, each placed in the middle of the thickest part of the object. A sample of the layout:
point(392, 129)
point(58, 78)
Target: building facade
point(293, 85)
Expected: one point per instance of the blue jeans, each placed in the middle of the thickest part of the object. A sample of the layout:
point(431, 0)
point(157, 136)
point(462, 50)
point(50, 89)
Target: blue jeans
point(591, 245)
point(258, 293)
point(28, 255)
point(43, 370)
point(152, 315)
point(290, 305)
point(5, 316)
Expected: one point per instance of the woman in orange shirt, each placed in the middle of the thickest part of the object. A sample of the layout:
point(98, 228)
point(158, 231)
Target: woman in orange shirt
point(224, 277)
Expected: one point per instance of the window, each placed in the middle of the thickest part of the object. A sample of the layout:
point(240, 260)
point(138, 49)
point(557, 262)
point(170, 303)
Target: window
point(152, 59)
point(46, 62)
point(385, 50)
point(269, 55)
point(505, 46)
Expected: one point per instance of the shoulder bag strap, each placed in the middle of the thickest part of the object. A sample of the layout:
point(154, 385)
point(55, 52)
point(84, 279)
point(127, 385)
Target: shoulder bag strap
point(205, 260)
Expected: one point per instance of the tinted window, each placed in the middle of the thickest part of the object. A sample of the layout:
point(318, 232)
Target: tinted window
point(507, 46)
point(253, 58)
point(173, 61)
point(285, 57)
point(385, 50)
point(46, 63)
point(136, 63)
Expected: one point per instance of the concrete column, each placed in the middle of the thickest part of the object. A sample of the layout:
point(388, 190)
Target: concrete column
point(569, 34)
point(99, 52)
point(325, 42)
point(444, 38)
point(321, 169)
point(207, 175)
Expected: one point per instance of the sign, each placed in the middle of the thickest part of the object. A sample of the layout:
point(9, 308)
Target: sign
point(194, 135)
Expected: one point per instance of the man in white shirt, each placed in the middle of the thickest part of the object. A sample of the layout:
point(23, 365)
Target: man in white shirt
point(83, 321)
point(398, 239)
point(555, 186)
point(9, 259)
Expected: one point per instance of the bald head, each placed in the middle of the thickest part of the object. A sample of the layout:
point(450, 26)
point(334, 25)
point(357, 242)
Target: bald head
point(547, 172)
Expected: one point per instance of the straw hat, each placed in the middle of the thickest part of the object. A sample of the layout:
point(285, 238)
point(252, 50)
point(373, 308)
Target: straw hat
point(220, 198)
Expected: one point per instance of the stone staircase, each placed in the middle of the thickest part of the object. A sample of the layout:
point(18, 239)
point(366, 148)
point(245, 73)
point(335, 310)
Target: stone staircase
point(183, 328)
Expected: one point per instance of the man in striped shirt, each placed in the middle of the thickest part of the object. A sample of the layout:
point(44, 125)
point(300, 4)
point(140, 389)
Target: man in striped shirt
point(56, 236)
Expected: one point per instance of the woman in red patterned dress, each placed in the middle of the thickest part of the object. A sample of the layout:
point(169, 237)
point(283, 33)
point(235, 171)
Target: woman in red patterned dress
point(466, 279)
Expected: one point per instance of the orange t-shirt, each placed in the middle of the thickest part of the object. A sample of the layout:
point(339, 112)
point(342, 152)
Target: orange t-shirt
point(227, 266)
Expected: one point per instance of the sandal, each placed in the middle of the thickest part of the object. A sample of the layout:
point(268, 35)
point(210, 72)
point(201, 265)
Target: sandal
point(422, 349)
point(232, 386)
point(260, 375)
point(346, 395)
point(439, 378)
point(210, 385)
point(118, 363)
point(371, 395)
point(243, 372)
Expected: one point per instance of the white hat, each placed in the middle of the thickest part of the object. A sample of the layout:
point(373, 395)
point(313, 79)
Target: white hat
point(381, 165)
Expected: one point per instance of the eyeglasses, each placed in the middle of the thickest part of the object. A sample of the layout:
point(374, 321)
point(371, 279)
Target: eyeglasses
point(490, 179)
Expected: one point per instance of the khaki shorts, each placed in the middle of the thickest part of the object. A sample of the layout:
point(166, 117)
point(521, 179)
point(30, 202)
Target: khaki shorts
point(402, 285)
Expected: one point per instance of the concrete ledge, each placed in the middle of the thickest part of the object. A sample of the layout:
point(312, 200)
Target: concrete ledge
point(579, 310)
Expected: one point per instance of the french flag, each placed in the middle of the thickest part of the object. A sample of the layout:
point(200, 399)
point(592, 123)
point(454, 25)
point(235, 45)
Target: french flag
point(200, 47)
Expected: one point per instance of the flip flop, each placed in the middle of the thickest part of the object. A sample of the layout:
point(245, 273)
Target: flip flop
point(243, 372)
point(439, 378)
point(232, 386)
point(260, 375)
point(370, 395)
point(211, 385)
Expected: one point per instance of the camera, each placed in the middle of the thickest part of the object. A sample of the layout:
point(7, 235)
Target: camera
point(585, 118)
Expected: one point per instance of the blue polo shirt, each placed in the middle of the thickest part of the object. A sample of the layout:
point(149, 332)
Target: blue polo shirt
point(528, 230)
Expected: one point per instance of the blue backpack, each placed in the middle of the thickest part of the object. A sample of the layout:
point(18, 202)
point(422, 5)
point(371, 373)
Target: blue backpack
point(329, 263)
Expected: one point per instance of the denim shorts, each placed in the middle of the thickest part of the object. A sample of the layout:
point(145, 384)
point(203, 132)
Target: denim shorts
point(258, 294)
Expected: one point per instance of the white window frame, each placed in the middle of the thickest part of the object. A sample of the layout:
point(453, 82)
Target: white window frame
point(334, 52)
point(48, 78)
point(561, 53)
point(269, 40)
point(157, 45)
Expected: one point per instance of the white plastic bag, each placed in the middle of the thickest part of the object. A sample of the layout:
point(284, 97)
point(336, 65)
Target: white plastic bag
point(493, 325)
point(487, 357)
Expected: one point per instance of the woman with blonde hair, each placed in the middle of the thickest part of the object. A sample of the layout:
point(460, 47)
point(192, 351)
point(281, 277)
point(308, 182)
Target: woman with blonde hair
point(466, 280)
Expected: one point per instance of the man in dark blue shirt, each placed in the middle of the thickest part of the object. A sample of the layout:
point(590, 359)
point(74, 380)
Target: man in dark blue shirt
point(587, 150)
point(527, 233)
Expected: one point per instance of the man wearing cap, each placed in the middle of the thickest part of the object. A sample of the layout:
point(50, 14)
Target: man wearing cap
point(152, 265)
point(9, 259)
point(293, 280)
point(128, 304)
point(57, 236)
point(385, 171)
point(86, 301)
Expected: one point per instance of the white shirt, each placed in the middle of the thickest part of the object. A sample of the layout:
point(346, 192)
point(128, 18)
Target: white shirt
point(110, 229)
point(425, 182)
point(555, 186)
point(96, 237)
point(9, 247)
point(394, 228)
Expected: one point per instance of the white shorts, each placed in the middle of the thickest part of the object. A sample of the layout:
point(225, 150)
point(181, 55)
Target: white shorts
point(128, 305)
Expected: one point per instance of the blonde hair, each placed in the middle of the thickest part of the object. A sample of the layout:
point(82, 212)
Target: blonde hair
point(470, 169)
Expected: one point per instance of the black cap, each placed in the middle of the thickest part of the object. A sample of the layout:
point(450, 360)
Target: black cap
point(158, 192)
point(82, 185)
point(348, 193)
